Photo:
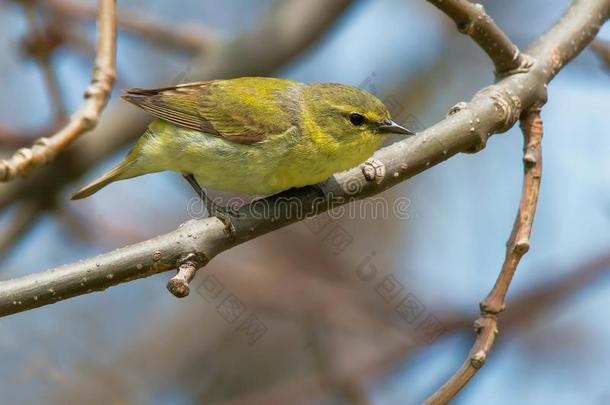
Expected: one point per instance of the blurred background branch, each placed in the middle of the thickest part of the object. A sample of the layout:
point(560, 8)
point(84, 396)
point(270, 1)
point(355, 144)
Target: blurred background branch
point(388, 347)
point(96, 96)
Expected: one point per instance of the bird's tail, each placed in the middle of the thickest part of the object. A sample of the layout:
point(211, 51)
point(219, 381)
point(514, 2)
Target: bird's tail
point(118, 172)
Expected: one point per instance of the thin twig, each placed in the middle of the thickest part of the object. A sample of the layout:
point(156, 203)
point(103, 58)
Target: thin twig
point(472, 20)
point(486, 327)
point(96, 96)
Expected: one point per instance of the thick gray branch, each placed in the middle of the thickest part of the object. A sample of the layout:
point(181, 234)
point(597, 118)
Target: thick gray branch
point(493, 109)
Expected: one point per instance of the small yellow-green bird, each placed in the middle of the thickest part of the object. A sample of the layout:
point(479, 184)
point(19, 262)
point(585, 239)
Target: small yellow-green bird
point(253, 135)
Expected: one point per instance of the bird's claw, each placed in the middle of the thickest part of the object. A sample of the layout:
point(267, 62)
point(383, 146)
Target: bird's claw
point(226, 215)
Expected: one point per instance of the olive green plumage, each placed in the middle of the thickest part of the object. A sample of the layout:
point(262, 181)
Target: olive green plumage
point(252, 135)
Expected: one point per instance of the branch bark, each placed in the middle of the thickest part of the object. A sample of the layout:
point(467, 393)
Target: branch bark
point(96, 96)
point(493, 109)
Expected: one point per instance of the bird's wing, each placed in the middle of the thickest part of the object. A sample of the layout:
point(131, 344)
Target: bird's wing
point(240, 110)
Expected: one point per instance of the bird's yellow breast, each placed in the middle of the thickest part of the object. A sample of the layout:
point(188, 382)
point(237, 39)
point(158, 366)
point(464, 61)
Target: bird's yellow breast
point(295, 158)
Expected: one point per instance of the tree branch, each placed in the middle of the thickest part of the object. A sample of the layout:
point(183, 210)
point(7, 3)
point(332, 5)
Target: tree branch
point(472, 20)
point(96, 96)
point(493, 109)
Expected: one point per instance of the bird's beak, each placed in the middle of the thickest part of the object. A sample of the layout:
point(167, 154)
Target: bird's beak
point(390, 127)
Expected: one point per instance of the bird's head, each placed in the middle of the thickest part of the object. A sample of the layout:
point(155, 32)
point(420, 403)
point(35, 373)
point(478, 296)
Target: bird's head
point(348, 113)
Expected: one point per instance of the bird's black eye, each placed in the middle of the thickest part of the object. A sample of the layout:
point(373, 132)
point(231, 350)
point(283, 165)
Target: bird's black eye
point(356, 119)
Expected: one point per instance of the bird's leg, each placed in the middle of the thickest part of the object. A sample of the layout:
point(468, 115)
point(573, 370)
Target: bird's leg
point(199, 191)
point(215, 210)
